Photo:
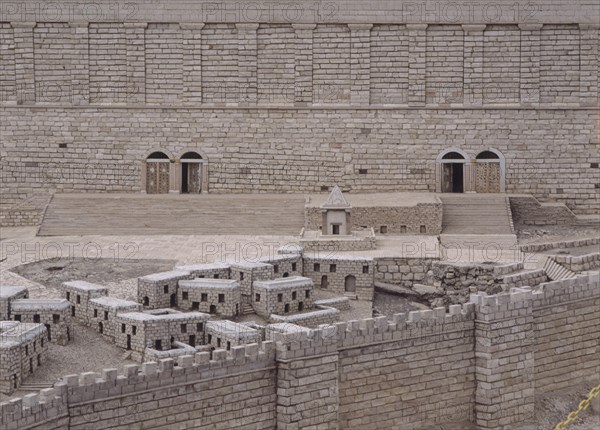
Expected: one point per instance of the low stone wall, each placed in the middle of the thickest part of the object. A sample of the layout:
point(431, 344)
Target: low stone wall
point(579, 263)
point(310, 241)
point(527, 210)
point(402, 271)
point(313, 319)
point(179, 350)
point(530, 278)
point(339, 303)
point(477, 365)
point(538, 247)
point(423, 218)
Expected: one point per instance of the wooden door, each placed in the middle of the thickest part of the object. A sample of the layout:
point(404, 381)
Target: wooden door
point(194, 178)
point(487, 178)
point(157, 178)
point(447, 178)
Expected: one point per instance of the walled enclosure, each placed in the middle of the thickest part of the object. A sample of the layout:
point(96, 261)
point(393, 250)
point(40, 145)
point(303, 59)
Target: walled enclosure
point(375, 372)
point(357, 88)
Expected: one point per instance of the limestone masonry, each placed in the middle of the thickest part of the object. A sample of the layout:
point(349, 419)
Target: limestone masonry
point(216, 97)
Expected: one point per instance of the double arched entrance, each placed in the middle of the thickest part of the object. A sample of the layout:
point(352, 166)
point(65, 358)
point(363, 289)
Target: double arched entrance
point(163, 173)
point(457, 172)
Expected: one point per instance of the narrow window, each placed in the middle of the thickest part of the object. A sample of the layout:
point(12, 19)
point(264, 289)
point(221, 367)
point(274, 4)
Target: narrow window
point(221, 298)
point(294, 267)
point(276, 268)
point(105, 315)
point(166, 289)
point(335, 229)
point(383, 229)
point(210, 338)
point(204, 297)
point(287, 308)
point(365, 269)
point(241, 276)
point(228, 345)
point(122, 328)
point(195, 306)
point(55, 318)
point(294, 295)
point(36, 318)
point(216, 276)
point(17, 317)
point(402, 229)
point(317, 267)
point(184, 328)
point(423, 229)
point(184, 295)
point(78, 299)
point(257, 297)
point(133, 330)
point(68, 296)
point(199, 327)
point(219, 342)
point(279, 298)
point(95, 313)
point(158, 344)
point(332, 267)
point(307, 294)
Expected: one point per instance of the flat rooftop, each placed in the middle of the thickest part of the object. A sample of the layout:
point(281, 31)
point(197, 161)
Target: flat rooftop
point(289, 282)
point(203, 266)
point(40, 305)
point(7, 291)
point(84, 286)
point(113, 302)
point(163, 276)
point(210, 283)
point(143, 316)
point(231, 328)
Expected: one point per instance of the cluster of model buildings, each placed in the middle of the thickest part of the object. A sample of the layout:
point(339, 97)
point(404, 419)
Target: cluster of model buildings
point(183, 310)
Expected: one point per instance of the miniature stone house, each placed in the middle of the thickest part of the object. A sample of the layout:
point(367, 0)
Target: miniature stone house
point(54, 314)
point(285, 265)
point(344, 275)
point(214, 296)
point(336, 214)
point(246, 273)
point(225, 334)
point(137, 331)
point(79, 293)
point(209, 270)
point(159, 290)
point(8, 293)
point(103, 311)
point(282, 296)
point(23, 347)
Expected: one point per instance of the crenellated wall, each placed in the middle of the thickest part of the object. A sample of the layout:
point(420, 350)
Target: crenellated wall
point(481, 363)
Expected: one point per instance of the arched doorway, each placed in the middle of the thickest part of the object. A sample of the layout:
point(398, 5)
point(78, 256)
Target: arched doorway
point(191, 173)
point(489, 172)
point(451, 165)
point(324, 282)
point(350, 284)
point(157, 173)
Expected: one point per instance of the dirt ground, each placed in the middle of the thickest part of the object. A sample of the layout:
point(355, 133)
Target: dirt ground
point(528, 234)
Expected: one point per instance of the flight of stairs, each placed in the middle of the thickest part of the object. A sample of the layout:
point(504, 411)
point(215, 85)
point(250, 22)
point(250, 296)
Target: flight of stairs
point(557, 272)
point(139, 214)
point(476, 214)
point(478, 227)
point(247, 309)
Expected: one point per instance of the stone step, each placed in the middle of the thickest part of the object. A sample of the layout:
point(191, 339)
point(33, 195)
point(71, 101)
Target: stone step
point(139, 214)
point(477, 214)
point(557, 272)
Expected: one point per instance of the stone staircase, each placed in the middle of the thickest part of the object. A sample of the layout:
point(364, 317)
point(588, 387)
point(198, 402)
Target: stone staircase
point(476, 214)
point(556, 272)
point(139, 214)
point(247, 309)
point(478, 227)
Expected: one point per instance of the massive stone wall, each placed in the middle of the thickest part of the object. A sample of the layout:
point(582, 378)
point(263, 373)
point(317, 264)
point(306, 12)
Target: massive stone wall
point(280, 106)
point(419, 370)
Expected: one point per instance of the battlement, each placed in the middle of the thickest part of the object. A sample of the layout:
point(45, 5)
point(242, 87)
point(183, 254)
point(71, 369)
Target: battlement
point(353, 352)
